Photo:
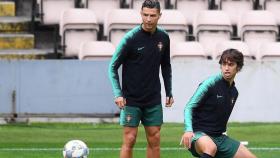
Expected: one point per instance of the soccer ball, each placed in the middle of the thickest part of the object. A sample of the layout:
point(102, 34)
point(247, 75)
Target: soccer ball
point(75, 149)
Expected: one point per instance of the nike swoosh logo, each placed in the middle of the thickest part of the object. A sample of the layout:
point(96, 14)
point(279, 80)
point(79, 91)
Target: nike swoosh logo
point(140, 48)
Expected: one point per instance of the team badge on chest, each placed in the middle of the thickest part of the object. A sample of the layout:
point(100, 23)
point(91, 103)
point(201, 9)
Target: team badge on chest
point(160, 46)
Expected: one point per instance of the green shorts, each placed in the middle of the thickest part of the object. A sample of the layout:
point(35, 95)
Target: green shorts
point(226, 147)
point(149, 116)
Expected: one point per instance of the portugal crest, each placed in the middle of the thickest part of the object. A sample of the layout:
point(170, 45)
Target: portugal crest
point(160, 46)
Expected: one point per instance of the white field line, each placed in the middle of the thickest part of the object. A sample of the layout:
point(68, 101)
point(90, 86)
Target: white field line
point(117, 149)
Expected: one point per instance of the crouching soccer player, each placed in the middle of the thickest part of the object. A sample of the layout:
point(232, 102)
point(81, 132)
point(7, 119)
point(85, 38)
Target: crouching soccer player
point(208, 111)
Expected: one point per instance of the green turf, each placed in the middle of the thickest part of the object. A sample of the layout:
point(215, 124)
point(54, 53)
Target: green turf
point(101, 136)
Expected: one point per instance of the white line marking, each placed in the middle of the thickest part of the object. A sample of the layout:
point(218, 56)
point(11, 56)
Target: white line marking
point(117, 149)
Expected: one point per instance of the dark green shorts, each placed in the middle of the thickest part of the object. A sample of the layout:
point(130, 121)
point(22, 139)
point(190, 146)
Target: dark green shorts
point(226, 147)
point(149, 116)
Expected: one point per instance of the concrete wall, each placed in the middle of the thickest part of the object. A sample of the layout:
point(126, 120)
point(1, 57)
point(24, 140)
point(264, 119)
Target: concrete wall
point(56, 87)
point(258, 84)
point(82, 87)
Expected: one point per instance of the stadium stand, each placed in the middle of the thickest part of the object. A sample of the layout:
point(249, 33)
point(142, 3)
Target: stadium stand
point(190, 8)
point(102, 7)
point(171, 4)
point(257, 27)
point(230, 7)
point(239, 45)
point(212, 27)
point(274, 7)
point(187, 51)
point(118, 22)
point(50, 10)
point(77, 26)
point(269, 51)
point(96, 50)
point(17, 38)
point(7, 8)
point(49, 14)
point(176, 27)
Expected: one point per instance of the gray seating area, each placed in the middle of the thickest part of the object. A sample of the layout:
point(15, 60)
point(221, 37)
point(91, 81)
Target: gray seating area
point(37, 26)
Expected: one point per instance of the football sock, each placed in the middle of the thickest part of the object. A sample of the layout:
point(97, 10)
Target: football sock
point(204, 155)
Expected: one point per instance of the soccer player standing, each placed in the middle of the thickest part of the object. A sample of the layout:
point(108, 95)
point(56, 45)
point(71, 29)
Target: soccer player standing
point(208, 111)
point(141, 52)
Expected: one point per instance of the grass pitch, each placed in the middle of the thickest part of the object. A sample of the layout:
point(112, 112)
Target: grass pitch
point(46, 140)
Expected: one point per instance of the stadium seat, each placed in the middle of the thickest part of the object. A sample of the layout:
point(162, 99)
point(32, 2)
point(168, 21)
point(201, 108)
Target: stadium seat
point(51, 10)
point(269, 51)
point(118, 22)
point(102, 7)
point(76, 27)
point(187, 51)
point(257, 27)
point(235, 8)
point(239, 45)
point(190, 8)
point(96, 50)
point(212, 27)
point(137, 4)
point(176, 27)
point(274, 7)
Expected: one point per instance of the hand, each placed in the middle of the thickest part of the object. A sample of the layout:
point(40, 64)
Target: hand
point(169, 101)
point(120, 101)
point(187, 139)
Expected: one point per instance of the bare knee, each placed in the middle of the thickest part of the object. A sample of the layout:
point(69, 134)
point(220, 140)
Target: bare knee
point(129, 140)
point(211, 150)
point(206, 145)
point(154, 139)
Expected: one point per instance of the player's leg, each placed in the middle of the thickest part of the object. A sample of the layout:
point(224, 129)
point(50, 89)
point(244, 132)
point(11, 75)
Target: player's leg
point(153, 138)
point(129, 119)
point(230, 148)
point(205, 147)
point(152, 120)
point(243, 152)
point(129, 139)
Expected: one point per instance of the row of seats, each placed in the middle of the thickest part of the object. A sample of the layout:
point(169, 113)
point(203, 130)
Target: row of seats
point(80, 25)
point(103, 50)
point(50, 9)
point(254, 28)
point(210, 27)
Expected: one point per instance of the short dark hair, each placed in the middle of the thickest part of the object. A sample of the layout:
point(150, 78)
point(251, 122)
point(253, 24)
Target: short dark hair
point(233, 55)
point(151, 4)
